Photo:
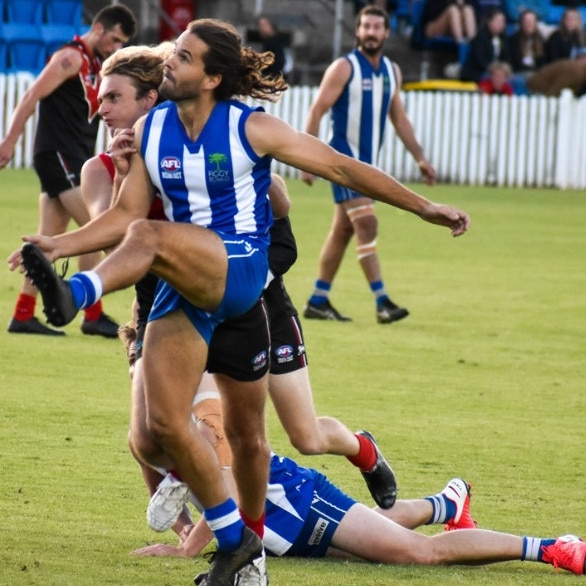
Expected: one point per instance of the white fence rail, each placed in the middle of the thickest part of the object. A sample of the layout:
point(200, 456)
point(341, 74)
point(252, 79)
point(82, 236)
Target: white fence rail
point(470, 138)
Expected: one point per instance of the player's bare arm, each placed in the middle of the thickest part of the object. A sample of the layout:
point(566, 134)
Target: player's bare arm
point(270, 135)
point(330, 89)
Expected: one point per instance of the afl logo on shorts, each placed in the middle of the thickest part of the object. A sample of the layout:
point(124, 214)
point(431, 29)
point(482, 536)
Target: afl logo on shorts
point(171, 168)
point(259, 361)
point(284, 353)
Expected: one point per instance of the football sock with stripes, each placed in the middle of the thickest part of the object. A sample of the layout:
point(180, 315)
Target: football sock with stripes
point(532, 548)
point(443, 508)
point(86, 288)
point(379, 292)
point(321, 292)
point(225, 521)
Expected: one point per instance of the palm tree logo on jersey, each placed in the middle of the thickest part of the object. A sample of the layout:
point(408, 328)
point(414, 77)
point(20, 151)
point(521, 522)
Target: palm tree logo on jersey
point(218, 174)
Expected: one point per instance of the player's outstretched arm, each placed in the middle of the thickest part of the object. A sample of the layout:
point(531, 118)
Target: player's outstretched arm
point(269, 135)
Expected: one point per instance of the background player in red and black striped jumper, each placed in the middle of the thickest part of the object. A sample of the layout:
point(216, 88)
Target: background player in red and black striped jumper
point(66, 92)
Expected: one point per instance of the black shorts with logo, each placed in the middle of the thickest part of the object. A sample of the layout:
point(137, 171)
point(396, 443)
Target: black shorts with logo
point(239, 347)
point(287, 345)
point(58, 171)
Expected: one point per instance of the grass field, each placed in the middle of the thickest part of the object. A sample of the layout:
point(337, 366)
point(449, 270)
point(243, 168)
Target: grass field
point(484, 380)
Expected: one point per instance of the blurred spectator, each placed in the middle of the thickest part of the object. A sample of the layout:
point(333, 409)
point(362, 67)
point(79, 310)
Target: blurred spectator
point(272, 41)
point(490, 44)
point(567, 39)
point(498, 81)
point(527, 46)
point(449, 18)
point(551, 79)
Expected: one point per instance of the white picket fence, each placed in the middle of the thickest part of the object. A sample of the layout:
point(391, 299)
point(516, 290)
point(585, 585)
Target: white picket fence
point(470, 138)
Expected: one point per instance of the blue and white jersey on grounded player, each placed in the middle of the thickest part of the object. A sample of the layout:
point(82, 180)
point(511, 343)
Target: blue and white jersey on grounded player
point(289, 496)
point(217, 181)
point(359, 116)
point(303, 510)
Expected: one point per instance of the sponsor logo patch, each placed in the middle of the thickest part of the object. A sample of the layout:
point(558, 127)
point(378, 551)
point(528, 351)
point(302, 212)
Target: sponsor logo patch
point(219, 174)
point(318, 531)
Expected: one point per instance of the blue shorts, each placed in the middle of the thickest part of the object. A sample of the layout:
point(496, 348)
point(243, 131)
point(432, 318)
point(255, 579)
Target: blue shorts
point(342, 194)
point(247, 274)
point(328, 508)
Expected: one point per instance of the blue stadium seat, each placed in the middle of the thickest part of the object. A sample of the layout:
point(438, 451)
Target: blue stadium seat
point(401, 15)
point(56, 35)
point(64, 12)
point(25, 48)
point(556, 12)
point(24, 11)
point(3, 55)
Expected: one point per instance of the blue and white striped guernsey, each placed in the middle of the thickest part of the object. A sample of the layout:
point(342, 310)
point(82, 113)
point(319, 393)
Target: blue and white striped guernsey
point(289, 496)
point(359, 116)
point(217, 181)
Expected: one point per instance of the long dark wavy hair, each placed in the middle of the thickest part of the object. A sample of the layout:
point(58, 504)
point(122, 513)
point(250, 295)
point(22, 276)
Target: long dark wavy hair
point(240, 67)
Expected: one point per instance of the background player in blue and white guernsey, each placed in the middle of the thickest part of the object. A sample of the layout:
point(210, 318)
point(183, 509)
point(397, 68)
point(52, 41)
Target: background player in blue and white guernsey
point(209, 275)
point(361, 89)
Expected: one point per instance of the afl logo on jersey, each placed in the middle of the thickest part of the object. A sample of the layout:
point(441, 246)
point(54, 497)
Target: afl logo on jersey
point(367, 85)
point(171, 168)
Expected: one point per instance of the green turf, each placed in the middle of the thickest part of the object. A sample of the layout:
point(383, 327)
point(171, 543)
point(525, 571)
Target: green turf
point(485, 380)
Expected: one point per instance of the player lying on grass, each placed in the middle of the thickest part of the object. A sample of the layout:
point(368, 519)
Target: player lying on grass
point(308, 516)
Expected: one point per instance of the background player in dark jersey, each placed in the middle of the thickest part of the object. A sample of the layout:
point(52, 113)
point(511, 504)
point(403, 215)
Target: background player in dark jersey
point(66, 92)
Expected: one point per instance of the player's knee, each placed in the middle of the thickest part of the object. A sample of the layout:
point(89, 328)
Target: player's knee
point(308, 446)
point(142, 445)
point(428, 555)
point(247, 442)
point(306, 443)
point(344, 232)
point(164, 431)
point(364, 222)
point(368, 228)
point(142, 232)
